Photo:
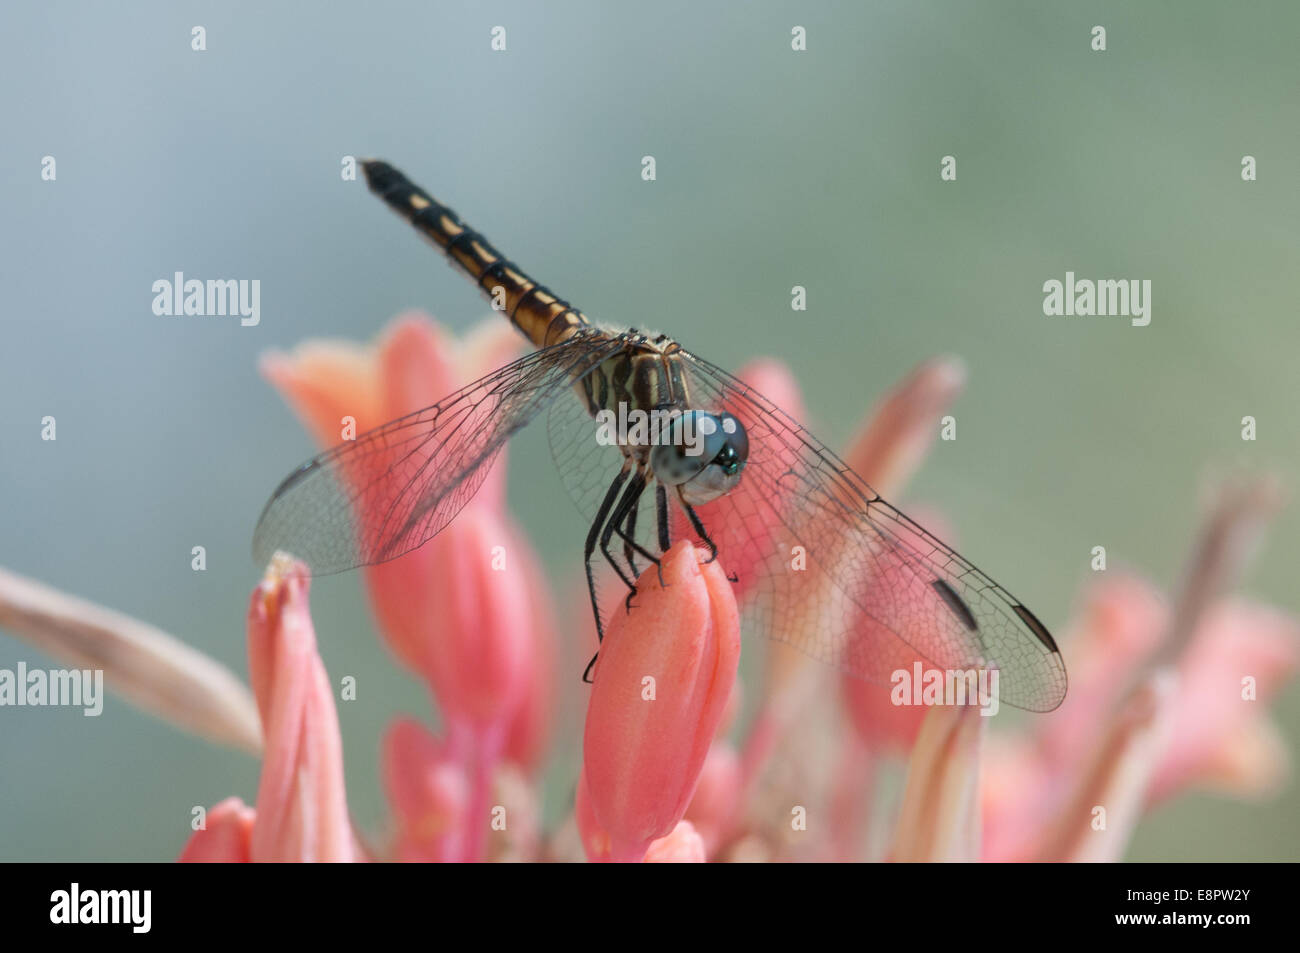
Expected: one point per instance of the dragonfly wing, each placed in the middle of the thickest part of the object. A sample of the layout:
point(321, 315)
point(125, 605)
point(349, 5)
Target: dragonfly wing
point(393, 488)
point(846, 577)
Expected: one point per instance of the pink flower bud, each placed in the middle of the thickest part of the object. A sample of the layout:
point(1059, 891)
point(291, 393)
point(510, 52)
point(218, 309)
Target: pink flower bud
point(662, 682)
point(302, 812)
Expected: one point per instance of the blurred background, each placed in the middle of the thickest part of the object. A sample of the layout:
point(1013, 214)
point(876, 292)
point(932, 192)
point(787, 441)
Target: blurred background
point(774, 168)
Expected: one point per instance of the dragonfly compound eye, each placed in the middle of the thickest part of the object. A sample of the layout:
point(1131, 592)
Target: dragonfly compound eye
point(732, 457)
point(704, 456)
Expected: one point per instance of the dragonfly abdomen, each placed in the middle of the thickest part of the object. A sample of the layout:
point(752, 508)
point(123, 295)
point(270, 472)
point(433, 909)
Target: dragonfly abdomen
point(541, 316)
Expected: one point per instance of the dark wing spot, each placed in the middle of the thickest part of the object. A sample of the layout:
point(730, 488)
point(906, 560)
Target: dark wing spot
point(1036, 627)
point(955, 603)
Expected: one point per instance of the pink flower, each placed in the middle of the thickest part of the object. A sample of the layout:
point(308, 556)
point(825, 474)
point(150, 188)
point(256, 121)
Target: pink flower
point(1164, 698)
point(465, 610)
point(530, 725)
point(413, 366)
point(898, 431)
point(661, 686)
point(478, 653)
point(428, 791)
point(301, 812)
point(1122, 622)
point(302, 809)
point(1222, 738)
point(1097, 817)
point(1160, 700)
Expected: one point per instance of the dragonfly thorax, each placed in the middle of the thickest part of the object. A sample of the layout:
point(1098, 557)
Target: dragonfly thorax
point(641, 401)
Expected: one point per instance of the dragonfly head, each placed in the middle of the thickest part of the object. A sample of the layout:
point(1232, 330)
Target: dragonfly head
point(704, 457)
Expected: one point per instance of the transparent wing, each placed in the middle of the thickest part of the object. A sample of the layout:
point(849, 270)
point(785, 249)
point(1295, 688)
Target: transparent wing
point(586, 466)
point(393, 488)
point(844, 576)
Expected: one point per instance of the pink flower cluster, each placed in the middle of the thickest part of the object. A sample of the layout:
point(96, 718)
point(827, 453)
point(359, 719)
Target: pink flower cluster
point(1150, 712)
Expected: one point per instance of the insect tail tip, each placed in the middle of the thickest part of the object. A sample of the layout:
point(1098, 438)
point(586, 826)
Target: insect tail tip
point(374, 169)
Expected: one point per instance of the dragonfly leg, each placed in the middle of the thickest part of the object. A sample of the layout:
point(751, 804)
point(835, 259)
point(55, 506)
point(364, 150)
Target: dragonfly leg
point(631, 494)
point(628, 532)
point(704, 535)
point(701, 531)
point(592, 535)
point(630, 545)
point(603, 529)
point(631, 498)
point(661, 510)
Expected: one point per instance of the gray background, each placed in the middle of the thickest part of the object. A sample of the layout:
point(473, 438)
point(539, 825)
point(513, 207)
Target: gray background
point(774, 169)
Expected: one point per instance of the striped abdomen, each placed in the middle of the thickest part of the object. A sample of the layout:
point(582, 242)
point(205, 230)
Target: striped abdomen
point(542, 317)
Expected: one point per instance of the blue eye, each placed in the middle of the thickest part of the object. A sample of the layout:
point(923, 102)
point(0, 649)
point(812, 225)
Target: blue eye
point(704, 449)
point(732, 457)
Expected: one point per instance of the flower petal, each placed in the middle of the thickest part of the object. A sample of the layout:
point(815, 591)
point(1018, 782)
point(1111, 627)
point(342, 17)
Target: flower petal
point(901, 427)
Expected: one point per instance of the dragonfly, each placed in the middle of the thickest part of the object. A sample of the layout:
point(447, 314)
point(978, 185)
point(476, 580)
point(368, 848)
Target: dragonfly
point(817, 558)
